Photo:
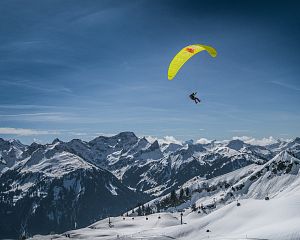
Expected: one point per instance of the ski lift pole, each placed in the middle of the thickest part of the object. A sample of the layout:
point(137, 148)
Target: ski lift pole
point(181, 214)
point(109, 222)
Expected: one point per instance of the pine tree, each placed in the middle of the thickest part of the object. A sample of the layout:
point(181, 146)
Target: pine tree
point(194, 208)
point(187, 192)
point(181, 195)
point(139, 211)
point(143, 208)
point(158, 207)
point(148, 210)
point(173, 197)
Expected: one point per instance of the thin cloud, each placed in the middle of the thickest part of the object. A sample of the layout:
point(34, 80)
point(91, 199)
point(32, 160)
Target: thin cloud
point(38, 107)
point(286, 85)
point(78, 133)
point(203, 141)
point(254, 141)
point(166, 140)
point(171, 139)
point(27, 132)
point(239, 130)
point(29, 84)
point(27, 114)
point(97, 134)
point(37, 117)
point(26, 106)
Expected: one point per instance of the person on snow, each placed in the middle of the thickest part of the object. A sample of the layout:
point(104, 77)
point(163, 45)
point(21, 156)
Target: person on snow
point(194, 98)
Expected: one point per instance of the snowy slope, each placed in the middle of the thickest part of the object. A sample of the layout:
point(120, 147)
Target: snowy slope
point(275, 178)
point(254, 218)
point(276, 219)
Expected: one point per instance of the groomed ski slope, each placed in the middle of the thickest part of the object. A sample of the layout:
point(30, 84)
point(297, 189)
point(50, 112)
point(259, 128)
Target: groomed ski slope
point(277, 219)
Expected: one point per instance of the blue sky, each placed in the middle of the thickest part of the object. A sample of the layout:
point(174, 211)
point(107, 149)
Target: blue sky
point(78, 69)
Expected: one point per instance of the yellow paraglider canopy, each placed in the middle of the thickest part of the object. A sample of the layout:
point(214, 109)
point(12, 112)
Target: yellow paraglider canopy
point(185, 54)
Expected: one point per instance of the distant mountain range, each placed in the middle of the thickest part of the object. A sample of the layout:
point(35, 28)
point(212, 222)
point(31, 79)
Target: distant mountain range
point(65, 185)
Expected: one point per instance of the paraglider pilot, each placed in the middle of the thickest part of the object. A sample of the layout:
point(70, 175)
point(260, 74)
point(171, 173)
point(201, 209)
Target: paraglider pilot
point(194, 98)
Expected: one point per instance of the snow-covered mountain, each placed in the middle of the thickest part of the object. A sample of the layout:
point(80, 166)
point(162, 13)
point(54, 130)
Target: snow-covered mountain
point(253, 202)
point(51, 189)
point(281, 145)
point(156, 168)
point(46, 187)
point(276, 178)
point(10, 153)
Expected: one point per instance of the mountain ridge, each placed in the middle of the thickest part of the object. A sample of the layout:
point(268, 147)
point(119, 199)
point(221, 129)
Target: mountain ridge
point(126, 167)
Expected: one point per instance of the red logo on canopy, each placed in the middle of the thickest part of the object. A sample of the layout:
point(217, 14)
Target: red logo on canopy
point(191, 50)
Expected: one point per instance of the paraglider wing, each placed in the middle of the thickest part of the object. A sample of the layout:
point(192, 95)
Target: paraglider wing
point(185, 54)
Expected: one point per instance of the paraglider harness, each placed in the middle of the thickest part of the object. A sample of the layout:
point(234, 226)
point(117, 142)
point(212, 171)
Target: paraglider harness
point(194, 98)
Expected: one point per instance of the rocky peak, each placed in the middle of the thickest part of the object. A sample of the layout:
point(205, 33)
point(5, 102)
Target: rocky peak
point(236, 144)
point(56, 140)
point(297, 140)
point(154, 146)
point(4, 145)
